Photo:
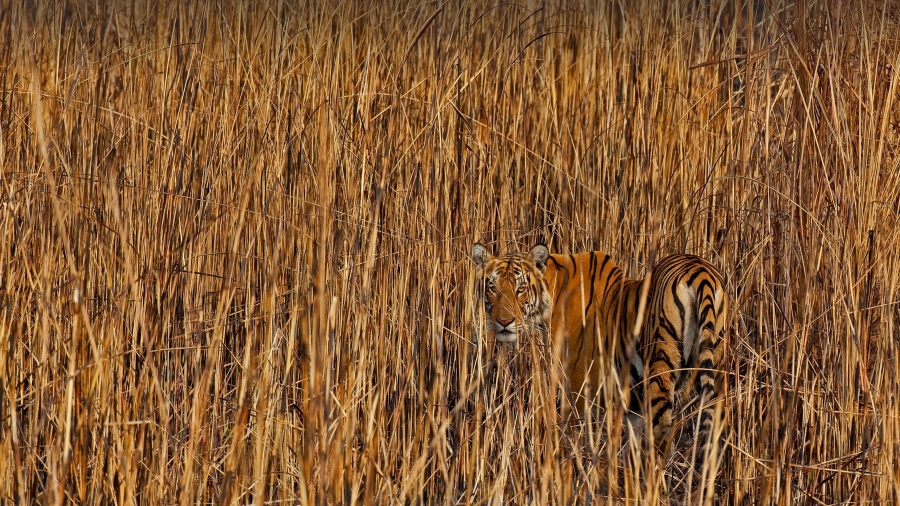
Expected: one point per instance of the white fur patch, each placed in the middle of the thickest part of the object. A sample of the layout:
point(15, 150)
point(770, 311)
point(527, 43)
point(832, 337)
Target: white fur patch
point(690, 326)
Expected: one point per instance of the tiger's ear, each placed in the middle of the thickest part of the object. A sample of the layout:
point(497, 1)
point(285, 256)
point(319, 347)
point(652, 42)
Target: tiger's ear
point(539, 255)
point(480, 254)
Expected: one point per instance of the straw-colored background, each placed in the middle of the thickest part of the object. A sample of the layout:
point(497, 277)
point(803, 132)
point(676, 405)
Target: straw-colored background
point(235, 243)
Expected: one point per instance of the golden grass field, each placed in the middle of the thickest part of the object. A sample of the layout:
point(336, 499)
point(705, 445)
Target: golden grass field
point(235, 255)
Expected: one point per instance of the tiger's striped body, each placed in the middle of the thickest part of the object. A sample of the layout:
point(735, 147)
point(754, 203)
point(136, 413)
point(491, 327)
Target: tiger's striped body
point(593, 311)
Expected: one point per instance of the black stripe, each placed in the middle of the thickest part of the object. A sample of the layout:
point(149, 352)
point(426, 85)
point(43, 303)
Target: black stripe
point(700, 270)
point(614, 279)
point(606, 258)
point(706, 309)
point(602, 267)
point(659, 381)
point(580, 346)
point(677, 300)
point(635, 376)
point(637, 300)
point(591, 277)
point(681, 378)
point(706, 363)
point(560, 268)
point(668, 327)
point(574, 266)
point(658, 400)
point(660, 356)
point(704, 283)
point(662, 411)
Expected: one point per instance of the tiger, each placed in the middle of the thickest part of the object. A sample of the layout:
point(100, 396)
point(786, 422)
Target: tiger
point(588, 299)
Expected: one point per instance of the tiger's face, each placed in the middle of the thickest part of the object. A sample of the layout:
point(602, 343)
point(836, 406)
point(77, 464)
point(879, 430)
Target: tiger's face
point(513, 290)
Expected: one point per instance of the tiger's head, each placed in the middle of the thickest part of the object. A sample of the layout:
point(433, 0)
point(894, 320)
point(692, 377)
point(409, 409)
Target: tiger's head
point(512, 287)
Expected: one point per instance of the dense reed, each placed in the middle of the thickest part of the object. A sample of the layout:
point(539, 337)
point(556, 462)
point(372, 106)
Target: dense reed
point(235, 268)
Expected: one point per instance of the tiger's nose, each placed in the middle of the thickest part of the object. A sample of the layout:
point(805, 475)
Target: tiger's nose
point(504, 323)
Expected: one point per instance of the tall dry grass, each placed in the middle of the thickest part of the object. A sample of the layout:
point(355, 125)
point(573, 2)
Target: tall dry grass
point(235, 244)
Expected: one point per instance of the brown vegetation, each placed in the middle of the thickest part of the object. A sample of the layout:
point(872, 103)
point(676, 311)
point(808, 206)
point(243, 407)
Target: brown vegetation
point(234, 259)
